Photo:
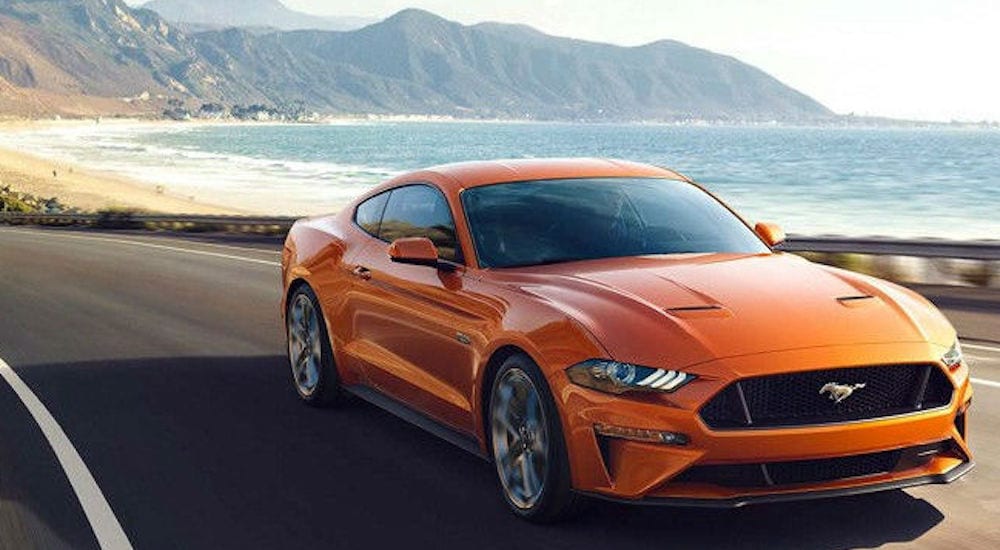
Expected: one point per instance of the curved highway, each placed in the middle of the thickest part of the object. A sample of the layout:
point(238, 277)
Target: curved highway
point(145, 403)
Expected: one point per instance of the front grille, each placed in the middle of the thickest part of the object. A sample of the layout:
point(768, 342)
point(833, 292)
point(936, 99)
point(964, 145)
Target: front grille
point(793, 473)
point(794, 399)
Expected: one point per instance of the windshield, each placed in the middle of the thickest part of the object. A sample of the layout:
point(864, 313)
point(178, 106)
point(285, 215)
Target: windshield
point(544, 222)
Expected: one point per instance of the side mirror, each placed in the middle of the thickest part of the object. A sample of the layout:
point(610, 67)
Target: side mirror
point(415, 251)
point(772, 233)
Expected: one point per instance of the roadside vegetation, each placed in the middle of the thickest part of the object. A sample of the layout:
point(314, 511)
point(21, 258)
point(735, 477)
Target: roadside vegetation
point(15, 201)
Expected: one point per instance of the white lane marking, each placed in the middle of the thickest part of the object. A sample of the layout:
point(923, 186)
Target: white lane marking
point(160, 247)
point(103, 522)
point(214, 245)
point(983, 381)
point(981, 348)
point(987, 383)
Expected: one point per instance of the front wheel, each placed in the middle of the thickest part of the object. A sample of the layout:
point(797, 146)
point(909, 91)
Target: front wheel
point(528, 445)
point(314, 373)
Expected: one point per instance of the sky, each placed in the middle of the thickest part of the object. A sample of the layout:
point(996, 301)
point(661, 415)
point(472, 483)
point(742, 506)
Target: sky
point(913, 59)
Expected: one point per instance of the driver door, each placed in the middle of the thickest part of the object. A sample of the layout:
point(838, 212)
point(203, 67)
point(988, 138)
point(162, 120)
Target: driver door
point(415, 326)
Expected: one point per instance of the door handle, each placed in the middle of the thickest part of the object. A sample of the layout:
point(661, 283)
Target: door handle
point(362, 272)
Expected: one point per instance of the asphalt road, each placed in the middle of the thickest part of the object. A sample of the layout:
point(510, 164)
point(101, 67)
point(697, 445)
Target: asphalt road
point(160, 363)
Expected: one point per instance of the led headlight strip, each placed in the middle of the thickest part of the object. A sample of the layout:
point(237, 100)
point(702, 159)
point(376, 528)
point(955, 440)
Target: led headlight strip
point(616, 377)
point(666, 380)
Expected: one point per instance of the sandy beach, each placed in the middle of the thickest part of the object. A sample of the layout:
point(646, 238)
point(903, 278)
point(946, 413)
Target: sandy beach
point(86, 189)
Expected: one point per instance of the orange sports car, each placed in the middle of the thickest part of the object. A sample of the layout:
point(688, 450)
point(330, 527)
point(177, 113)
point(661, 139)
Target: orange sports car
point(610, 329)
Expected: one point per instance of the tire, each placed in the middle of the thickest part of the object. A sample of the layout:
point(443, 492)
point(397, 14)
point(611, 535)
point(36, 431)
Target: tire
point(310, 355)
point(527, 444)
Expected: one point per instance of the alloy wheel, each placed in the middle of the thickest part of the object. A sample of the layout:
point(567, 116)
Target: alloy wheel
point(520, 438)
point(305, 350)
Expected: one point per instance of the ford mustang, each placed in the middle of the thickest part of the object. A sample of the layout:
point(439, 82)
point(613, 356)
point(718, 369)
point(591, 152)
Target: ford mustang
point(610, 329)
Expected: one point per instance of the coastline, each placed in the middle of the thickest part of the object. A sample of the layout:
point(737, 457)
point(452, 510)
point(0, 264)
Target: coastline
point(87, 189)
point(161, 183)
point(265, 168)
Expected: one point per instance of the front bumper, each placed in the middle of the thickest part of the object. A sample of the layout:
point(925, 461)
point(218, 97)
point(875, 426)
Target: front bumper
point(641, 472)
point(773, 498)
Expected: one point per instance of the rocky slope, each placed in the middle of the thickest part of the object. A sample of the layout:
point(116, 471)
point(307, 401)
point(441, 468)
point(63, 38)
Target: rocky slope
point(56, 52)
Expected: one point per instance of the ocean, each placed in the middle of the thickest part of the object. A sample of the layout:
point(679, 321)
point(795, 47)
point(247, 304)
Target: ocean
point(895, 182)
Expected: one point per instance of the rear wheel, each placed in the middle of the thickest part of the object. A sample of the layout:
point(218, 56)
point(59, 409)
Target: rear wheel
point(310, 355)
point(528, 445)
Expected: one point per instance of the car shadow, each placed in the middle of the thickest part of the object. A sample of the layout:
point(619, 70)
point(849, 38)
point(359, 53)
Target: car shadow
point(865, 521)
point(217, 452)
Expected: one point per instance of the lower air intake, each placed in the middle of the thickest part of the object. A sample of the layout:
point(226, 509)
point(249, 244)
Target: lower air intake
point(793, 473)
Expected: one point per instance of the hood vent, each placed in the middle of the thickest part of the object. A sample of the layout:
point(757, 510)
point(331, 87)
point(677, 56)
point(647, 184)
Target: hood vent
point(704, 310)
point(861, 300)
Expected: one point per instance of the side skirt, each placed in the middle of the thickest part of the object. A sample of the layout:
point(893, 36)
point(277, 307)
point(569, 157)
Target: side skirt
point(417, 418)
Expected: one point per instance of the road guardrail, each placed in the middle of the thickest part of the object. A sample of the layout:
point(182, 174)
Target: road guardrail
point(935, 253)
point(128, 220)
point(887, 246)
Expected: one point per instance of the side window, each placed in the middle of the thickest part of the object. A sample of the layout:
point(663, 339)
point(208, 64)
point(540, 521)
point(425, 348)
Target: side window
point(421, 211)
point(368, 216)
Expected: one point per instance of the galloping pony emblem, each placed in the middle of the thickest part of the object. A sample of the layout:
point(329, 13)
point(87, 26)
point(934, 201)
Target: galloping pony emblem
point(839, 392)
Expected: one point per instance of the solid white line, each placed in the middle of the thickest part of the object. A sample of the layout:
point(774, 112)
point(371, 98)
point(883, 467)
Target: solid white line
point(215, 245)
point(102, 520)
point(981, 348)
point(987, 383)
point(160, 247)
point(983, 381)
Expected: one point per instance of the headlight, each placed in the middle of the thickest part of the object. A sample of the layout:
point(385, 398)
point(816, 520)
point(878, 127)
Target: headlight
point(953, 357)
point(618, 378)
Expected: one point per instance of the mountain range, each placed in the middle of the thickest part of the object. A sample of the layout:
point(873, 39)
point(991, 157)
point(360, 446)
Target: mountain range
point(84, 56)
point(219, 14)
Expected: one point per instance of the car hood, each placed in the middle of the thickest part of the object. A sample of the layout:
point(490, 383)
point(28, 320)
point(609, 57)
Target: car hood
point(683, 310)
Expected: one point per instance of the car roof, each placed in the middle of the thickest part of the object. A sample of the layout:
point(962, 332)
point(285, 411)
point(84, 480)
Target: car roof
point(463, 175)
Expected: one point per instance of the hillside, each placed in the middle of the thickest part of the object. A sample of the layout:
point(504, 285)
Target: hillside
point(416, 62)
point(69, 56)
point(221, 14)
point(87, 49)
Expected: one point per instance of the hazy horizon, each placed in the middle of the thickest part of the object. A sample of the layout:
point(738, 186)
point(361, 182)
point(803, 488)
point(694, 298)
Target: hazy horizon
point(917, 59)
